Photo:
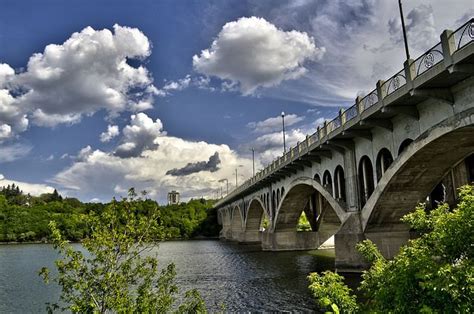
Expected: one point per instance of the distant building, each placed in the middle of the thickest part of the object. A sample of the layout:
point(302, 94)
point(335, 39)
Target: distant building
point(173, 198)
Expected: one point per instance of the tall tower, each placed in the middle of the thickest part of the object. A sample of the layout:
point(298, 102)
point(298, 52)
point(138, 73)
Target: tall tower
point(173, 198)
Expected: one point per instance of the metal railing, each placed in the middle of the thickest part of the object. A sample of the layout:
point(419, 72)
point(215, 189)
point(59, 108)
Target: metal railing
point(369, 100)
point(429, 59)
point(464, 34)
point(462, 37)
point(394, 83)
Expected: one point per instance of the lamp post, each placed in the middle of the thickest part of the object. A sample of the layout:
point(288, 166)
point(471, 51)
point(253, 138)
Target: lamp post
point(236, 178)
point(227, 183)
point(253, 160)
point(284, 140)
point(404, 30)
point(236, 183)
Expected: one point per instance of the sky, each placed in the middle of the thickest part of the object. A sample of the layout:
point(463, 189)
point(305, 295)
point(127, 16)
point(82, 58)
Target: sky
point(100, 96)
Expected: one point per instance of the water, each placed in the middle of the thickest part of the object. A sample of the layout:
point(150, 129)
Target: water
point(242, 278)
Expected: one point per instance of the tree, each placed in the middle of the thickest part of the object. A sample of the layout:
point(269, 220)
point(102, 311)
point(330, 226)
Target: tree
point(114, 275)
point(433, 273)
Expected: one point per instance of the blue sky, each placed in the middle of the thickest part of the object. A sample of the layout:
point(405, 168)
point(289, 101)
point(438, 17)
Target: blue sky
point(145, 93)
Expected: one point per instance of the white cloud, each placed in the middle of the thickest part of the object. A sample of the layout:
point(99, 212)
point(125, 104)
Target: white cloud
point(86, 73)
point(13, 152)
point(84, 153)
point(179, 84)
point(139, 135)
point(12, 117)
point(274, 123)
point(112, 131)
point(90, 176)
point(255, 53)
point(270, 146)
point(31, 188)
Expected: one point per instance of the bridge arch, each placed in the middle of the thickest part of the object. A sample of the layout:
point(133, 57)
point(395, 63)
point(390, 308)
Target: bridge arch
point(327, 182)
point(404, 145)
point(339, 184)
point(366, 179)
point(297, 197)
point(236, 225)
point(256, 212)
point(384, 160)
point(415, 173)
point(317, 178)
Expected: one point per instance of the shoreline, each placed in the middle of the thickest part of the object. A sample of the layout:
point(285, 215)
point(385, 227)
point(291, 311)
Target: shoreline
point(198, 238)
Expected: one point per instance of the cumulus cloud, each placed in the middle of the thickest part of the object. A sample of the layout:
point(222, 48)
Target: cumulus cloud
point(91, 176)
point(28, 188)
point(139, 135)
point(89, 72)
point(270, 146)
point(12, 116)
point(112, 131)
point(254, 53)
point(274, 123)
point(211, 165)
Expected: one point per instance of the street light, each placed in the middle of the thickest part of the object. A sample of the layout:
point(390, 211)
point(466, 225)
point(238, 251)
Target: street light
point(236, 176)
point(227, 183)
point(284, 140)
point(403, 29)
point(253, 160)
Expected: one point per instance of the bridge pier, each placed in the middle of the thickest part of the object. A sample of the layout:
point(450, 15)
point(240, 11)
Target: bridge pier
point(290, 241)
point(388, 241)
point(250, 237)
point(345, 241)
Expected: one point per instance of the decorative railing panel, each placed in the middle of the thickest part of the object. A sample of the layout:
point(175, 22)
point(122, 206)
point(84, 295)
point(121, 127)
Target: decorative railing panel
point(428, 59)
point(371, 99)
point(464, 35)
point(351, 113)
point(394, 83)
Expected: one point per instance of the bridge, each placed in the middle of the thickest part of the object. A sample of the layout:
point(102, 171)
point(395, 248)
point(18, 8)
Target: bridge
point(409, 141)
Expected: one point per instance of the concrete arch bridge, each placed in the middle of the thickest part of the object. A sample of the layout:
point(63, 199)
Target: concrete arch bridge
point(408, 141)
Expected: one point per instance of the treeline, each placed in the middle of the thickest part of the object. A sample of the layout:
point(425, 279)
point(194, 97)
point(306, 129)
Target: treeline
point(25, 218)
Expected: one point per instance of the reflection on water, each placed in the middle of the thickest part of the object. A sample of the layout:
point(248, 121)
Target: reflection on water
point(240, 277)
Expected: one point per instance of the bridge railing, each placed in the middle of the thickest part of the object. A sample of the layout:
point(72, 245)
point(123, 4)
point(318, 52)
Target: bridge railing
point(456, 41)
point(463, 35)
point(428, 59)
point(394, 83)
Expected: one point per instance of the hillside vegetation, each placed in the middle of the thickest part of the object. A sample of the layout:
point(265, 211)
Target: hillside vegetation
point(25, 218)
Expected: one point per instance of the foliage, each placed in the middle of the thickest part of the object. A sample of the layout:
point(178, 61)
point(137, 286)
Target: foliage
point(303, 223)
point(187, 220)
point(433, 273)
point(331, 292)
point(25, 217)
point(265, 223)
point(115, 275)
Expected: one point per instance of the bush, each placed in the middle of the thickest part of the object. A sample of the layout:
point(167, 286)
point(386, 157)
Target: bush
point(433, 273)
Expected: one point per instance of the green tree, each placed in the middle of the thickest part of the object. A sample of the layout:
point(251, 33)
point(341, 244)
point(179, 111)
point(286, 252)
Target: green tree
point(433, 273)
point(115, 275)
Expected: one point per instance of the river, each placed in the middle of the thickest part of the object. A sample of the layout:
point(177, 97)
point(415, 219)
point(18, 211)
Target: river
point(239, 277)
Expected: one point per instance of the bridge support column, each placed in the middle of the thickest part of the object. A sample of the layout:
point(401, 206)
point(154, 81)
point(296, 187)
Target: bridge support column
point(250, 237)
point(289, 241)
point(389, 242)
point(345, 240)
